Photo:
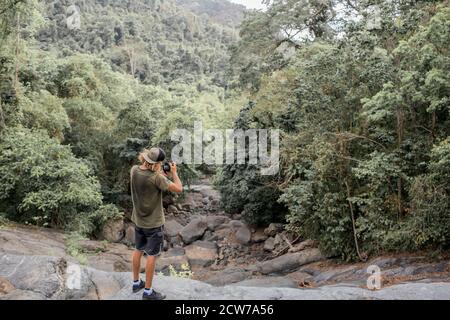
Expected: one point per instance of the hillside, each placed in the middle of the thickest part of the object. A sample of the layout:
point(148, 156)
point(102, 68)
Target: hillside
point(157, 41)
point(221, 11)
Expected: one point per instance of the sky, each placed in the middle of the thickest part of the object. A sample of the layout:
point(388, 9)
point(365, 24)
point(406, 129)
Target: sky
point(251, 4)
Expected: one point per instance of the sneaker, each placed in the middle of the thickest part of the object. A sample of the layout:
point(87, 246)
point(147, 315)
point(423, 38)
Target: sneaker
point(139, 286)
point(153, 296)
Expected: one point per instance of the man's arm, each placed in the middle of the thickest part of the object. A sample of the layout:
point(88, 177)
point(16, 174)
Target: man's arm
point(176, 186)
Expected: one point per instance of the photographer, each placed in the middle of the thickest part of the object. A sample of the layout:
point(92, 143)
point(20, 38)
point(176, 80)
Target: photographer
point(148, 181)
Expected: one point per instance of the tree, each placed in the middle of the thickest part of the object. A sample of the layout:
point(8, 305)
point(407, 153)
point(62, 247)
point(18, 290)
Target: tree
point(42, 182)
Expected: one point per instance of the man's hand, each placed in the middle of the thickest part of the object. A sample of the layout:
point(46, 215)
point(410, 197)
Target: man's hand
point(176, 186)
point(173, 167)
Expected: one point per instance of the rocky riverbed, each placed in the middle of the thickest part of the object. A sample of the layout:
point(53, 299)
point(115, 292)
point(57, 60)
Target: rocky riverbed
point(227, 259)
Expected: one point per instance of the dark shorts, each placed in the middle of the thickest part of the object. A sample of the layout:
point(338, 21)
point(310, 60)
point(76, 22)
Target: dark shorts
point(150, 241)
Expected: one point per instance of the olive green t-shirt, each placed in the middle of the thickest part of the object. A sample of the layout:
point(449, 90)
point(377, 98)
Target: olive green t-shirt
point(146, 193)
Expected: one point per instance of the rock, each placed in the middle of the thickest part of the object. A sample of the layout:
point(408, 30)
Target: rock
point(45, 277)
point(5, 286)
point(290, 261)
point(104, 284)
point(235, 224)
point(193, 231)
point(211, 237)
point(173, 257)
point(201, 253)
point(243, 235)
point(237, 216)
point(40, 274)
point(228, 276)
point(215, 202)
point(172, 209)
point(279, 241)
point(172, 228)
point(269, 244)
point(168, 200)
point(175, 241)
point(302, 279)
point(112, 231)
point(273, 229)
point(268, 282)
point(303, 245)
point(259, 236)
point(214, 221)
point(129, 235)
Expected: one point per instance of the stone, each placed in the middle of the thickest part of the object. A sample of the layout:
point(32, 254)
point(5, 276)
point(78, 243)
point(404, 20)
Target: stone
point(273, 229)
point(290, 261)
point(130, 235)
point(279, 241)
point(168, 200)
point(302, 279)
point(215, 221)
point(201, 253)
point(235, 224)
point(175, 241)
point(303, 245)
point(172, 228)
point(243, 235)
point(268, 282)
point(46, 277)
point(5, 286)
point(112, 231)
point(172, 209)
point(269, 244)
point(214, 203)
point(228, 276)
point(194, 230)
point(259, 236)
point(174, 257)
point(41, 274)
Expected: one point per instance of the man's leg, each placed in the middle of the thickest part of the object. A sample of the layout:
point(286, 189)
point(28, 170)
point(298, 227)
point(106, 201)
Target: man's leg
point(136, 264)
point(149, 271)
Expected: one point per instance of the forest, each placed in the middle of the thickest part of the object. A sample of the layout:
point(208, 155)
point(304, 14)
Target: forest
point(359, 89)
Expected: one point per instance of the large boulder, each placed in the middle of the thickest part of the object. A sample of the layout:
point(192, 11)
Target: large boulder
point(259, 236)
point(290, 261)
point(273, 229)
point(173, 257)
point(228, 276)
point(172, 228)
point(214, 221)
point(39, 274)
point(269, 244)
point(201, 253)
point(194, 230)
point(112, 231)
point(243, 235)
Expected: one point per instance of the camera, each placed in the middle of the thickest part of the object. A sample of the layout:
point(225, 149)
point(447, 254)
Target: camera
point(166, 167)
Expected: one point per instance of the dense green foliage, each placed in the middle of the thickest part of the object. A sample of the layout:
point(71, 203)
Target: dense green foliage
point(363, 106)
point(359, 89)
point(73, 113)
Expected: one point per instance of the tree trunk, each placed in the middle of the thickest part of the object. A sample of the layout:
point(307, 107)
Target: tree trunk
point(400, 132)
point(16, 75)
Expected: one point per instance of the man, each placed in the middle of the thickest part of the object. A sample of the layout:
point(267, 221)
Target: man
point(147, 186)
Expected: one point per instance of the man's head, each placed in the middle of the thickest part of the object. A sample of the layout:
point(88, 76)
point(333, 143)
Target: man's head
point(152, 158)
